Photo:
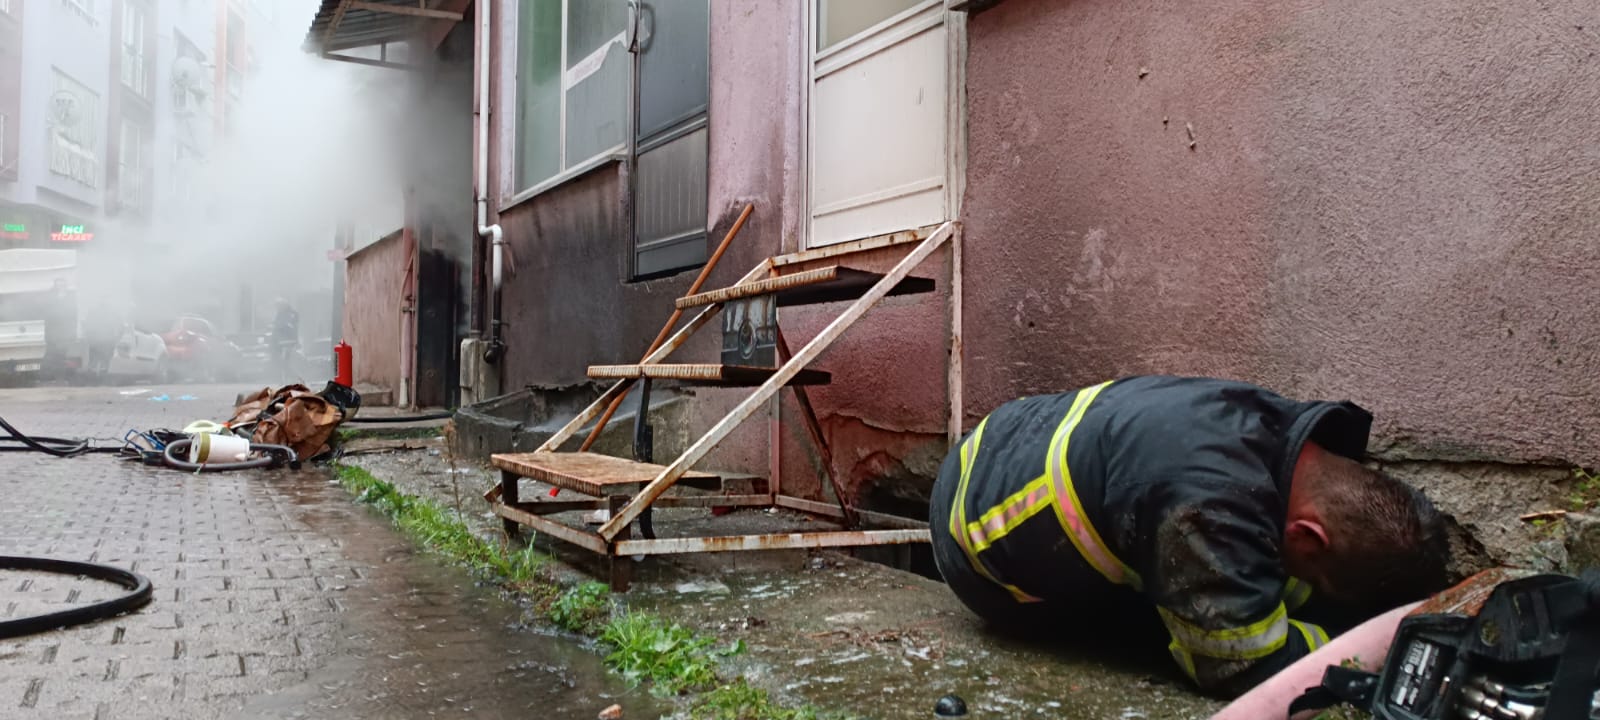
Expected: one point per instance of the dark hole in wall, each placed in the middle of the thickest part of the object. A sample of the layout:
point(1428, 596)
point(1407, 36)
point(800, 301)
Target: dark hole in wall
point(904, 497)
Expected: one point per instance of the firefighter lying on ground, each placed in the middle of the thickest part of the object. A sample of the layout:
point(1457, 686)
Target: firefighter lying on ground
point(1242, 516)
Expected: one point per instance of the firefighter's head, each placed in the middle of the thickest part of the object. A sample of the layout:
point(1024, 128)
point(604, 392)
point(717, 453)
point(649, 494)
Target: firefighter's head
point(1361, 537)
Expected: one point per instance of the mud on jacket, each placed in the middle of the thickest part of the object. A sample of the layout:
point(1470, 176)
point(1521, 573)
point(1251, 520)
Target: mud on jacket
point(1174, 488)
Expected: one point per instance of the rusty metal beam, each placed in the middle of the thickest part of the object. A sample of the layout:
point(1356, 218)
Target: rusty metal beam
point(673, 343)
point(566, 533)
point(333, 25)
point(812, 507)
point(805, 356)
point(370, 62)
point(420, 12)
point(775, 541)
point(551, 507)
point(714, 501)
point(814, 428)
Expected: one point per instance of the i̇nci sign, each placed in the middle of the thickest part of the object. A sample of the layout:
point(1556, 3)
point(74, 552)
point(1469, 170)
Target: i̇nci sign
point(13, 231)
point(71, 233)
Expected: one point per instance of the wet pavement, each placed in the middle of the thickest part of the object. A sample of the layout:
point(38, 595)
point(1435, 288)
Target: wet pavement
point(275, 595)
point(834, 631)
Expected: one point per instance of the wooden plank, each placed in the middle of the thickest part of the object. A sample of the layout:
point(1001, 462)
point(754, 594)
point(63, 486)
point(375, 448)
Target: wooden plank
point(759, 287)
point(953, 380)
point(406, 10)
point(673, 343)
point(371, 63)
point(587, 473)
point(333, 25)
point(744, 409)
point(904, 237)
point(829, 510)
point(844, 284)
point(774, 541)
point(706, 374)
point(565, 533)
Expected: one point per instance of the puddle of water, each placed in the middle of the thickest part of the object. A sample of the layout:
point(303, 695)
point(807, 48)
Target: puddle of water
point(418, 639)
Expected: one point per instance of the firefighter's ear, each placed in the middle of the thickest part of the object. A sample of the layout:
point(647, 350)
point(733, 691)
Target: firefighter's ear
point(1306, 538)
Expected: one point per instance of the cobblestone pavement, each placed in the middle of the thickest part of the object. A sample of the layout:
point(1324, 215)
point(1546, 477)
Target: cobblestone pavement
point(275, 596)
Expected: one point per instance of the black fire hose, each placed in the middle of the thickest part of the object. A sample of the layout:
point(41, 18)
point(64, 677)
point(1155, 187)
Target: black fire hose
point(275, 456)
point(137, 585)
point(58, 447)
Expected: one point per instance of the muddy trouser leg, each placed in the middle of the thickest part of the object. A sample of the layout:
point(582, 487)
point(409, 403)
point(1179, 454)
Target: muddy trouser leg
point(981, 595)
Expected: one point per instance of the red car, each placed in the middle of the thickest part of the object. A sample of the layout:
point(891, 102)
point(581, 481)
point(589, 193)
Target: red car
point(196, 349)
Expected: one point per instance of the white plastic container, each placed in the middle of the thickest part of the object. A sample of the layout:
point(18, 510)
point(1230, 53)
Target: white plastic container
point(213, 448)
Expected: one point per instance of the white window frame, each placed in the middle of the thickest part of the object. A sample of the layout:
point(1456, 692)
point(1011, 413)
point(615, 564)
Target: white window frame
point(134, 50)
point(133, 155)
point(567, 172)
point(5, 7)
point(84, 9)
point(956, 121)
point(72, 156)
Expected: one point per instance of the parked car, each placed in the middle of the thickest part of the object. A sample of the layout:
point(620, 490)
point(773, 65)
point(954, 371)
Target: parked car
point(196, 350)
point(138, 355)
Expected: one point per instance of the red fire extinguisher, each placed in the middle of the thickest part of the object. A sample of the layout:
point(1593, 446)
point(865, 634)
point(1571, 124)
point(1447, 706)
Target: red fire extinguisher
point(346, 369)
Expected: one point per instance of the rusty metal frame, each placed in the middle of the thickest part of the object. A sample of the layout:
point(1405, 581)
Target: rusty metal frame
point(779, 379)
point(771, 541)
point(614, 538)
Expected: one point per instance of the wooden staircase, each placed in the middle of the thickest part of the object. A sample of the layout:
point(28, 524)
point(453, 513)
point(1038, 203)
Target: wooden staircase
point(629, 489)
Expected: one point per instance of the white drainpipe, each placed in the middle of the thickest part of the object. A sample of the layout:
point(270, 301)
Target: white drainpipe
point(493, 232)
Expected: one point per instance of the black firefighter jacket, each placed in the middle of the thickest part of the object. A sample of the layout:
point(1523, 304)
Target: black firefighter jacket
point(1176, 488)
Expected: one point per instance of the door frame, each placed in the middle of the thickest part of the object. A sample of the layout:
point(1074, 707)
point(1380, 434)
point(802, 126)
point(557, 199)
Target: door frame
point(955, 22)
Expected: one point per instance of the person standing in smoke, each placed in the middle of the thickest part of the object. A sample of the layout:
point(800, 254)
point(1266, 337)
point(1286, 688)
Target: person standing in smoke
point(285, 335)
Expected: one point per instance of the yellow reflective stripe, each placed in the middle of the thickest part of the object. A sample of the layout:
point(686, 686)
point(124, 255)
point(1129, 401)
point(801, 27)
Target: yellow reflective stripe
point(1296, 593)
point(958, 514)
point(1184, 659)
point(1069, 510)
point(1315, 636)
point(1006, 516)
point(1256, 640)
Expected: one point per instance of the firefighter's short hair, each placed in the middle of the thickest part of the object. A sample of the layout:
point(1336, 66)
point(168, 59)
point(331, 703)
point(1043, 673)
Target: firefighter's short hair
point(1388, 544)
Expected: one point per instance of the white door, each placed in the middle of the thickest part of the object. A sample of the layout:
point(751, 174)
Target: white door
point(881, 117)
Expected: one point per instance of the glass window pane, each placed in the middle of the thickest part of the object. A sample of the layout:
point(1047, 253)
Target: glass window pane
point(596, 107)
point(591, 24)
point(673, 80)
point(838, 20)
point(538, 91)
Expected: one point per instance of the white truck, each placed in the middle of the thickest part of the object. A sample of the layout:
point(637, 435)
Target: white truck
point(38, 312)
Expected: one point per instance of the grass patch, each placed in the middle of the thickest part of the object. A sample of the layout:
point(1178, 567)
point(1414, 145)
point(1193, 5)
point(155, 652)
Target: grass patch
point(582, 608)
point(740, 701)
point(1585, 494)
point(439, 530)
point(642, 647)
point(669, 656)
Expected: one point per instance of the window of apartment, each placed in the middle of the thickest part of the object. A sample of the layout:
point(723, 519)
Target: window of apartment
point(84, 8)
point(133, 47)
point(73, 115)
point(133, 157)
point(573, 71)
point(4, 166)
point(5, 6)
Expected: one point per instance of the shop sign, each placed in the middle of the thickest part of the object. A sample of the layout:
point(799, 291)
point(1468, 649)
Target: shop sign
point(13, 231)
point(72, 234)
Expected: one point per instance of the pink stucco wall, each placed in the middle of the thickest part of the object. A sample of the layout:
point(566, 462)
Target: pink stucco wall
point(1393, 203)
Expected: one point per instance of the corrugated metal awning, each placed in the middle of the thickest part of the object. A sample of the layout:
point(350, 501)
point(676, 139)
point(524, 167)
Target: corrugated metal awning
point(349, 24)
